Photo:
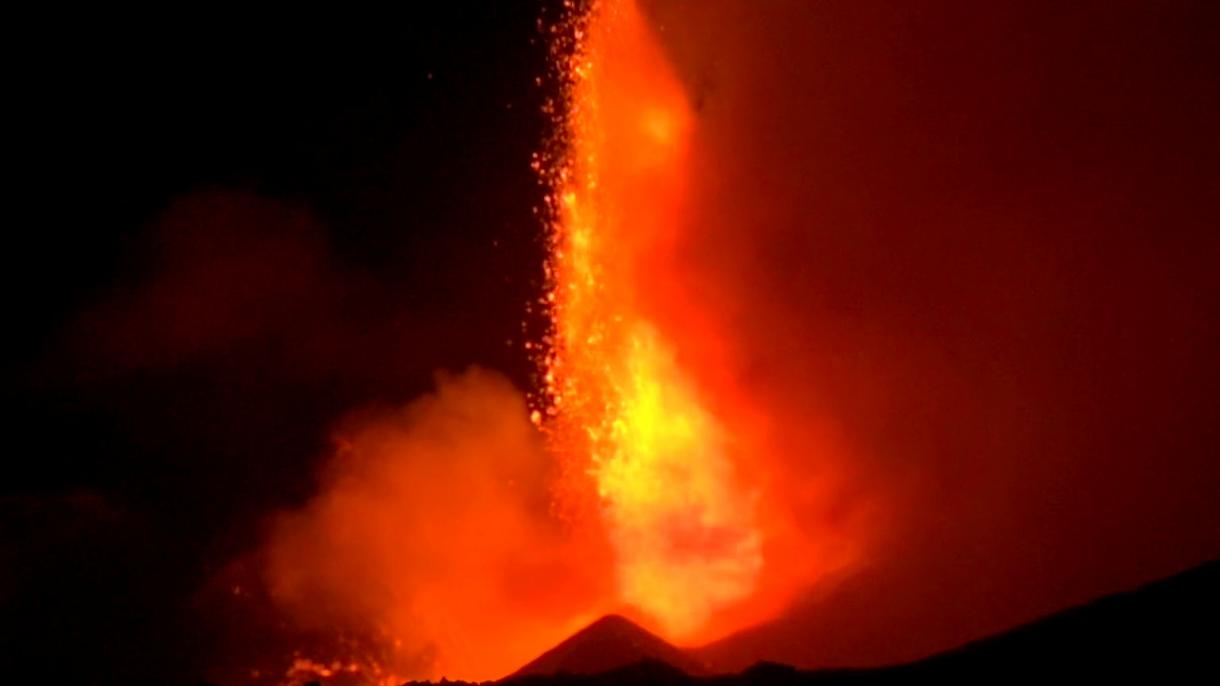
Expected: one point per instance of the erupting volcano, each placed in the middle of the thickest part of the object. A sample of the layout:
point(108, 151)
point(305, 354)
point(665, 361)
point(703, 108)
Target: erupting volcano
point(636, 489)
point(641, 485)
point(623, 407)
point(662, 337)
point(589, 332)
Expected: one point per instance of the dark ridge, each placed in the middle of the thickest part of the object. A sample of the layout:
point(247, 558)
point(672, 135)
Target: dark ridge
point(646, 672)
point(1166, 631)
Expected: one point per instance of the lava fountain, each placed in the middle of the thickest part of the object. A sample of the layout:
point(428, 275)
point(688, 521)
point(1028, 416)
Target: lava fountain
point(623, 413)
point(459, 540)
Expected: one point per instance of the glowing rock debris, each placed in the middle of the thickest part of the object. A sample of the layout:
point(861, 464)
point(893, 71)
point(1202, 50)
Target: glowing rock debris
point(620, 408)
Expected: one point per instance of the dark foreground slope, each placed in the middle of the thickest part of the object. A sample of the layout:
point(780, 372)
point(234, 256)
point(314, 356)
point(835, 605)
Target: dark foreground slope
point(1165, 632)
point(1169, 629)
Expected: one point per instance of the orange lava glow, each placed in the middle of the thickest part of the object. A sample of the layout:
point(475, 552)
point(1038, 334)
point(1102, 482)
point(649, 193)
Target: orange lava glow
point(626, 412)
point(460, 540)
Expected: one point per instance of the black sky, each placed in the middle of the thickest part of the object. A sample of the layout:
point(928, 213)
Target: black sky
point(366, 175)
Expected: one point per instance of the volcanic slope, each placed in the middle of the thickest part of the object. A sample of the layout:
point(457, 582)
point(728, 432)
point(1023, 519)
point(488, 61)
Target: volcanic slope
point(1164, 632)
point(607, 644)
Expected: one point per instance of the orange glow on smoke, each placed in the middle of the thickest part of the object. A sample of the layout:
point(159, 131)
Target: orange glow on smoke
point(625, 410)
point(432, 541)
point(455, 541)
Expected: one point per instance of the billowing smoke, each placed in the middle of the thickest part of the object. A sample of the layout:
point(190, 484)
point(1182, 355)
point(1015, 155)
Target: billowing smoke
point(433, 533)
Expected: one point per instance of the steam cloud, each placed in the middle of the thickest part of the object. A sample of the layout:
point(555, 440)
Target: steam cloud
point(433, 529)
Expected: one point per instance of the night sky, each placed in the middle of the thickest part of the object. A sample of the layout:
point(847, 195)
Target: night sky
point(982, 239)
point(347, 204)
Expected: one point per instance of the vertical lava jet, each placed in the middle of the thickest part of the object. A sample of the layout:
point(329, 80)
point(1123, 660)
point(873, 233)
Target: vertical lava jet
point(452, 540)
point(625, 415)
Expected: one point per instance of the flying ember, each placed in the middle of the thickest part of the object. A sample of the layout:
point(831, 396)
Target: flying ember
point(622, 411)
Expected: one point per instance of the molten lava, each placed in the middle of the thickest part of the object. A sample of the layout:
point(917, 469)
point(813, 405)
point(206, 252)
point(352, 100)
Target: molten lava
point(623, 410)
point(455, 542)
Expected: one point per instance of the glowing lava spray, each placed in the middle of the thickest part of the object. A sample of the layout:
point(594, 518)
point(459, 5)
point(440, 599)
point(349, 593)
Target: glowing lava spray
point(624, 414)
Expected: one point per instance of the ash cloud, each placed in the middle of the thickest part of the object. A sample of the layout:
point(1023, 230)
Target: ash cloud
point(433, 528)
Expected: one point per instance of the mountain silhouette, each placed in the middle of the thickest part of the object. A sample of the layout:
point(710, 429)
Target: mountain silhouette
point(1164, 631)
point(610, 643)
